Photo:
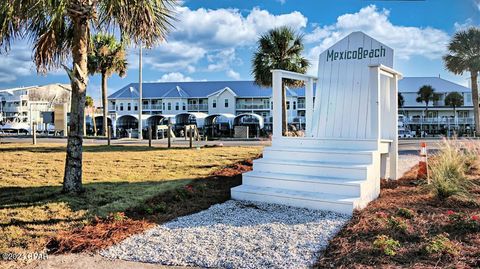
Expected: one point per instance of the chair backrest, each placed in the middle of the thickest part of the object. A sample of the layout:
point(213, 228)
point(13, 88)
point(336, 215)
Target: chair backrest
point(343, 100)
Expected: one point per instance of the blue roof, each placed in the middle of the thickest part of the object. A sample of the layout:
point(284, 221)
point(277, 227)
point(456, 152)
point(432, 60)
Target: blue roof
point(198, 89)
point(412, 84)
point(201, 89)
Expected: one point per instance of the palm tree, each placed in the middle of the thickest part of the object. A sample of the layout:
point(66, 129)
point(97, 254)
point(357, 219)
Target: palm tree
point(106, 57)
point(90, 108)
point(426, 94)
point(401, 100)
point(279, 48)
point(454, 100)
point(60, 31)
point(464, 56)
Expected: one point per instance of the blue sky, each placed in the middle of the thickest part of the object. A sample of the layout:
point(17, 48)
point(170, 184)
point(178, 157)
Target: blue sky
point(214, 40)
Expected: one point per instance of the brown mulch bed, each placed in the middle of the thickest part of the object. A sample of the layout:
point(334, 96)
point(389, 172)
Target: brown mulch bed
point(353, 245)
point(194, 197)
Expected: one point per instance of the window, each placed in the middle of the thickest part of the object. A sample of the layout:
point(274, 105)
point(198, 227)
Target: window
point(177, 106)
point(294, 105)
point(135, 107)
point(163, 106)
point(129, 106)
point(169, 106)
point(226, 102)
point(214, 103)
point(468, 98)
point(184, 106)
point(288, 105)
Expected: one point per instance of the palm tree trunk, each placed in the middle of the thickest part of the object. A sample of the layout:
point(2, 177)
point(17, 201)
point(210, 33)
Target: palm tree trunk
point(72, 180)
point(473, 77)
point(104, 103)
point(94, 122)
point(284, 109)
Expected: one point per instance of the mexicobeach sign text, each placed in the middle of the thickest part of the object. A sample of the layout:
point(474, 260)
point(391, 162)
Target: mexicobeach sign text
point(359, 54)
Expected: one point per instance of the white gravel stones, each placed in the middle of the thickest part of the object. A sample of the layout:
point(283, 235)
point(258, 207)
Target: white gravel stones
point(236, 234)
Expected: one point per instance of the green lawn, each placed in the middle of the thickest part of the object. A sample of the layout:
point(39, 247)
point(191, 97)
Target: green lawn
point(116, 178)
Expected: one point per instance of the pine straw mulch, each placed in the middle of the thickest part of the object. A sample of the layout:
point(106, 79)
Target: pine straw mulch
point(353, 245)
point(199, 195)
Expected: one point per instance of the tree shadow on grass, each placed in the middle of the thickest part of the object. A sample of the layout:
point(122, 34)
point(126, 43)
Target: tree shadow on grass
point(90, 148)
point(99, 199)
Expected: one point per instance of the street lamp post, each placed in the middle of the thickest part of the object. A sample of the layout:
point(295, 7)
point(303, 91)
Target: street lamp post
point(140, 103)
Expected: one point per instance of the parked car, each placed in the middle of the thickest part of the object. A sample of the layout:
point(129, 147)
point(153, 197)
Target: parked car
point(404, 134)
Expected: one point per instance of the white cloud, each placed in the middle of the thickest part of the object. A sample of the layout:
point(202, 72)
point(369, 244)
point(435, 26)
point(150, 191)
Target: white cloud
point(222, 60)
point(406, 41)
point(221, 28)
point(219, 32)
point(233, 75)
point(174, 77)
point(17, 63)
point(463, 26)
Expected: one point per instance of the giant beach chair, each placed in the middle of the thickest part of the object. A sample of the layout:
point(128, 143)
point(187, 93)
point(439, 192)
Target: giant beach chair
point(350, 140)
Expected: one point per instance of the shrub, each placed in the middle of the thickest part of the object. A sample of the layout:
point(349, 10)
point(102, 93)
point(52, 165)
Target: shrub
point(118, 216)
point(393, 223)
point(447, 170)
point(441, 244)
point(463, 222)
point(405, 213)
point(386, 244)
point(397, 224)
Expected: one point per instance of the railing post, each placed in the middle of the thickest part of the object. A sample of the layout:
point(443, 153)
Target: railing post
point(149, 136)
point(277, 103)
point(375, 102)
point(394, 144)
point(33, 129)
point(169, 135)
point(109, 134)
point(308, 107)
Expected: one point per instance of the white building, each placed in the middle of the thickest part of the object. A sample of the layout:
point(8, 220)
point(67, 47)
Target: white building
point(35, 103)
point(239, 97)
point(440, 117)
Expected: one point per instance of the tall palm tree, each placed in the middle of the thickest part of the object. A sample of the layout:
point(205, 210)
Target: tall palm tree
point(60, 32)
point(401, 100)
point(454, 100)
point(464, 56)
point(90, 110)
point(426, 94)
point(279, 48)
point(106, 57)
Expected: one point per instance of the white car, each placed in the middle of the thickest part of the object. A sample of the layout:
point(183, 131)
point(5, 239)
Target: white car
point(404, 134)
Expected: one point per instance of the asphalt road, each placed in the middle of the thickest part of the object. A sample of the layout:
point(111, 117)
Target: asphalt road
point(406, 146)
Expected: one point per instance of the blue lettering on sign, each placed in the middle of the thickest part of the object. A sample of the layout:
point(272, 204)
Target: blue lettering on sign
point(357, 54)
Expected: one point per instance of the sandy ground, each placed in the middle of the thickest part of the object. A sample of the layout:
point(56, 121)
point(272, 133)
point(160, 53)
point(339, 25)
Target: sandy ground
point(83, 261)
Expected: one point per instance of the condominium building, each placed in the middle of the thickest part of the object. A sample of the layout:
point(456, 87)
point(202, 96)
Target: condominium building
point(35, 103)
point(239, 97)
point(439, 118)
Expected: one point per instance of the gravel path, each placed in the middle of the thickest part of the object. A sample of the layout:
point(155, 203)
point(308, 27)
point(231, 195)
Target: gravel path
point(236, 234)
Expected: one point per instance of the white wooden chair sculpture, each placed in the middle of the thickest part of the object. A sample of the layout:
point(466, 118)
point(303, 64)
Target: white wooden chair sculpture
point(351, 130)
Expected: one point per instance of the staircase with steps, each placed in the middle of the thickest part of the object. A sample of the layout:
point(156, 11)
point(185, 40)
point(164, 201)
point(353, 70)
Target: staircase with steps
point(331, 174)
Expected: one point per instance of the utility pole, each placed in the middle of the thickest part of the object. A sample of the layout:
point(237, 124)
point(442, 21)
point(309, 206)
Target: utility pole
point(140, 103)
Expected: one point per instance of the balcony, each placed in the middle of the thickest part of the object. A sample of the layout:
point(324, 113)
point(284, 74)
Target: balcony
point(152, 107)
point(199, 107)
point(301, 105)
point(252, 106)
point(442, 120)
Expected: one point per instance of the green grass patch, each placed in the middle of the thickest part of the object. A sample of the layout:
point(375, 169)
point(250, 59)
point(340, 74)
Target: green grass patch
point(32, 207)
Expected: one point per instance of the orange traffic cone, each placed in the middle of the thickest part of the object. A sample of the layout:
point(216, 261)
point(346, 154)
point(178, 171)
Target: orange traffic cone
point(423, 164)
